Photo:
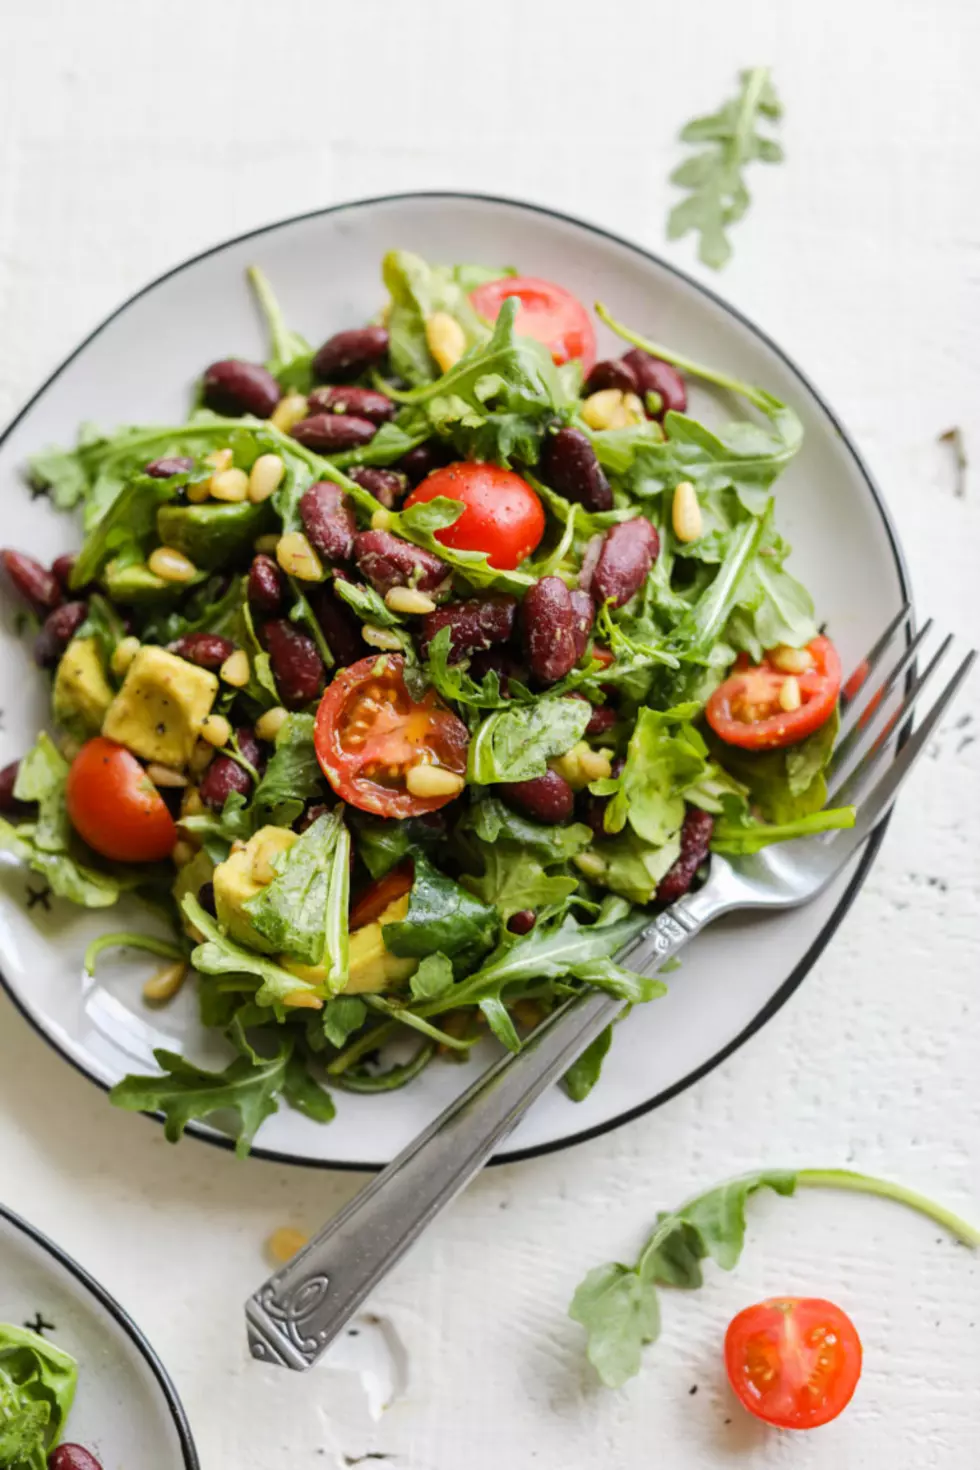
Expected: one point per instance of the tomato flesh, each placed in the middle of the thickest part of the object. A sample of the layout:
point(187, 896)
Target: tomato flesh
point(793, 1361)
point(745, 709)
point(369, 731)
point(547, 312)
point(114, 806)
point(502, 516)
point(371, 903)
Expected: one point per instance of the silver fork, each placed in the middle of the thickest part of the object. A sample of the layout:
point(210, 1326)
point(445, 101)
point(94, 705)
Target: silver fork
point(301, 1308)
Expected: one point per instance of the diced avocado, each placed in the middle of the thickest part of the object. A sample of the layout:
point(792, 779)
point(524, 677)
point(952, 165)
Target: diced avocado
point(190, 879)
point(136, 583)
point(161, 706)
point(241, 876)
point(211, 535)
point(82, 693)
point(372, 966)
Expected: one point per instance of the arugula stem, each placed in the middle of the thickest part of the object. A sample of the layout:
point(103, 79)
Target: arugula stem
point(755, 83)
point(407, 1017)
point(275, 321)
point(377, 1037)
point(867, 1184)
point(165, 948)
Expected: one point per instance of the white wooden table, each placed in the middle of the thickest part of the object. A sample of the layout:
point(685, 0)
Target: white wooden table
point(132, 135)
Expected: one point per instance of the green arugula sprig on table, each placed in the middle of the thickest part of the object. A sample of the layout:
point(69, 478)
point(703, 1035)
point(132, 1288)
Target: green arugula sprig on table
point(619, 1306)
point(718, 195)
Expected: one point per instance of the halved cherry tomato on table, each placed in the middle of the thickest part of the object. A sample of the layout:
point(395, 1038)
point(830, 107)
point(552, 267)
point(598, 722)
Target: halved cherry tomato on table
point(372, 901)
point(745, 710)
point(547, 312)
point(502, 514)
point(793, 1361)
point(115, 807)
point(370, 733)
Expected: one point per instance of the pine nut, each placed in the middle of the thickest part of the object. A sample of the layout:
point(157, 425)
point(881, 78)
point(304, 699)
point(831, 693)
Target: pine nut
point(201, 758)
point(230, 485)
point(171, 565)
point(789, 695)
point(165, 984)
point(183, 852)
point(381, 520)
point(791, 660)
point(191, 804)
point(611, 408)
point(267, 726)
point(285, 1243)
point(685, 512)
point(216, 730)
point(198, 492)
point(265, 478)
point(165, 775)
point(289, 411)
point(425, 781)
point(267, 544)
point(446, 339)
point(303, 1000)
point(408, 600)
point(235, 670)
point(381, 638)
point(220, 459)
point(123, 654)
point(298, 559)
point(263, 865)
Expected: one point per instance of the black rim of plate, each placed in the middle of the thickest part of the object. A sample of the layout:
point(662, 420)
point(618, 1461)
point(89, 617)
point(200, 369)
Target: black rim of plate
point(798, 973)
point(122, 1318)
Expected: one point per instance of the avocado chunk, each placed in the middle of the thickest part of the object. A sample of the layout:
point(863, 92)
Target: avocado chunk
point(136, 583)
point(161, 706)
point(242, 876)
point(373, 967)
point(82, 693)
point(211, 535)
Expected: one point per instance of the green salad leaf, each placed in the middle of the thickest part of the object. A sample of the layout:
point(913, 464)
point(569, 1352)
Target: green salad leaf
point(41, 777)
point(291, 356)
point(292, 776)
point(584, 1072)
point(37, 1388)
point(303, 911)
point(418, 291)
point(515, 744)
point(442, 917)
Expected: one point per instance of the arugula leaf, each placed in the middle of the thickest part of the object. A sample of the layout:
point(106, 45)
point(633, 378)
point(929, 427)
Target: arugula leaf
point(37, 1388)
point(433, 977)
point(772, 606)
point(68, 878)
point(666, 756)
point(303, 1092)
point(516, 744)
point(367, 602)
point(185, 1092)
point(418, 290)
point(292, 776)
point(342, 1016)
point(217, 831)
point(219, 955)
point(127, 527)
point(491, 821)
point(618, 1305)
point(551, 954)
point(718, 196)
point(515, 854)
point(303, 911)
point(628, 865)
point(442, 917)
point(752, 837)
point(41, 778)
point(383, 842)
point(783, 785)
point(454, 682)
point(584, 1072)
point(291, 357)
point(418, 523)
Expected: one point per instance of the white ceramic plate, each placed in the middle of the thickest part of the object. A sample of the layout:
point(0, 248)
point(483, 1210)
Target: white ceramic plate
point(138, 367)
point(126, 1411)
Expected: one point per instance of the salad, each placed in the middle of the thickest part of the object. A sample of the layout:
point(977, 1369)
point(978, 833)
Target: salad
point(407, 674)
point(37, 1389)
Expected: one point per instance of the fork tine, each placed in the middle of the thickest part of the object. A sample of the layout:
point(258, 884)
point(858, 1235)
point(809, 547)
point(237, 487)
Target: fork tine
point(854, 708)
point(874, 656)
point(863, 721)
point(880, 797)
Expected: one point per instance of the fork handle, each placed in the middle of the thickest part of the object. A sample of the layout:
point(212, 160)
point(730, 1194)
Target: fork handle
point(294, 1317)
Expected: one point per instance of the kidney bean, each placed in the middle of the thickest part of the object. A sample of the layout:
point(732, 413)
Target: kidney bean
point(522, 922)
point(62, 567)
point(207, 650)
point(339, 625)
point(569, 465)
point(249, 746)
point(612, 373)
point(387, 561)
point(175, 464)
point(265, 585)
point(547, 798)
point(548, 620)
point(362, 403)
point(224, 775)
point(387, 486)
point(205, 897)
point(327, 433)
point(57, 631)
point(346, 355)
point(296, 665)
point(593, 808)
point(36, 585)
point(328, 520)
point(603, 718)
point(583, 611)
point(474, 624)
point(72, 1457)
point(8, 780)
point(628, 552)
point(420, 461)
point(655, 376)
point(695, 843)
point(234, 387)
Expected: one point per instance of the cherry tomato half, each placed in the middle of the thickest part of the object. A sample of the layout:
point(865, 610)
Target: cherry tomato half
point(547, 312)
point(746, 711)
point(370, 732)
point(502, 514)
point(372, 901)
point(115, 807)
point(793, 1361)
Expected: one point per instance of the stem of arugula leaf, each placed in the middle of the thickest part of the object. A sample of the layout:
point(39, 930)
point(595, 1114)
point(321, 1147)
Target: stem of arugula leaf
point(752, 90)
point(306, 616)
point(867, 1184)
point(407, 1017)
